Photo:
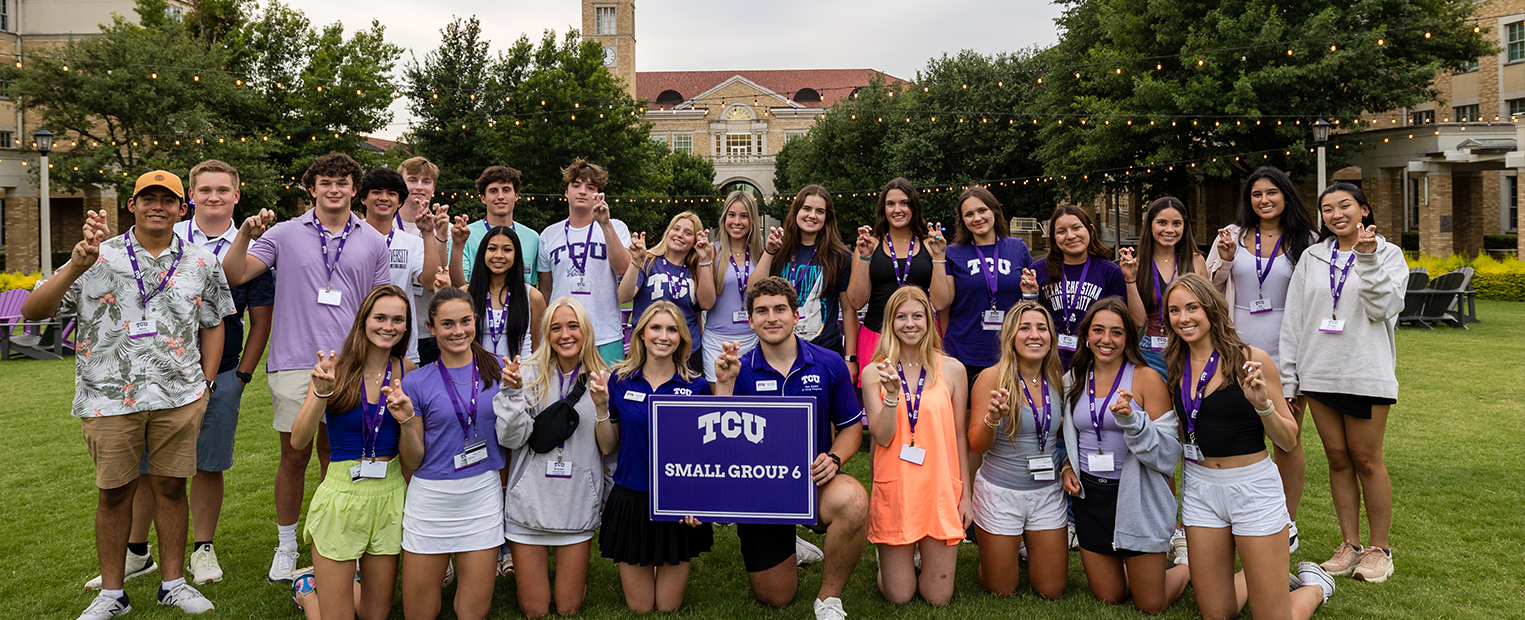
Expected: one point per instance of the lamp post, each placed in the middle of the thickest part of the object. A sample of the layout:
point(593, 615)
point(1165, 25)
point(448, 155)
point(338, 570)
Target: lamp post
point(1321, 129)
point(45, 217)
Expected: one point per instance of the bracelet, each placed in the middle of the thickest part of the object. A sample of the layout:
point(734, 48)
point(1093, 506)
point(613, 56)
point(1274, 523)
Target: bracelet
point(1133, 281)
point(315, 393)
point(891, 403)
point(439, 240)
point(1270, 409)
point(1032, 296)
point(940, 262)
point(770, 253)
point(992, 426)
point(597, 419)
point(706, 264)
point(865, 259)
point(410, 419)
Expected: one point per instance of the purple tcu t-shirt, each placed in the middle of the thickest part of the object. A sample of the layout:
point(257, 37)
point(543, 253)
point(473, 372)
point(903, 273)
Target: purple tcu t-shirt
point(967, 339)
point(302, 326)
point(1103, 279)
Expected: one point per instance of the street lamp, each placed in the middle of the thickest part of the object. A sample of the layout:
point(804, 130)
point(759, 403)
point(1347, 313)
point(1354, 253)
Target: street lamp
point(45, 220)
point(1321, 129)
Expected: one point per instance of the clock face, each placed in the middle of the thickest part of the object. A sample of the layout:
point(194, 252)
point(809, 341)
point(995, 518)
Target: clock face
point(608, 57)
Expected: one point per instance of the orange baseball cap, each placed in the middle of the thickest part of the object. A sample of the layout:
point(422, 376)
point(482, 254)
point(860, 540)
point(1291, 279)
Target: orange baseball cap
point(159, 178)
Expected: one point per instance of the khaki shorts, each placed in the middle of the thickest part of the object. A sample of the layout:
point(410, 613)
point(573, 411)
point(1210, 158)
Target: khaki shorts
point(288, 388)
point(117, 443)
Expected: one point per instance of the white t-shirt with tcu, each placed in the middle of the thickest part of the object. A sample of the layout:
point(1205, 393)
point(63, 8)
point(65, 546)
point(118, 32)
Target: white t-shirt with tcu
point(598, 288)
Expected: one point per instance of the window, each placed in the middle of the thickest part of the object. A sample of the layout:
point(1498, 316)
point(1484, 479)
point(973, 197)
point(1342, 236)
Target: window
point(5, 85)
point(5, 20)
point(172, 12)
point(604, 18)
point(1515, 35)
point(1416, 196)
point(659, 138)
point(1465, 66)
point(792, 136)
point(1516, 106)
point(683, 143)
point(2, 212)
point(7, 140)
point(738, 144)
point(1513, 223)
point(1423, 117)
point(1465, 114)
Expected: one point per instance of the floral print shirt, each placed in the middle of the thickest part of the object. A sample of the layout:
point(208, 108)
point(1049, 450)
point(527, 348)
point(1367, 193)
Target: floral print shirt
point(116, 374)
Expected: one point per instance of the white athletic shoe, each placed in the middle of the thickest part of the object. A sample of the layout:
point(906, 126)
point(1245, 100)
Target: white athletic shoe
point(1074, 540)
point(1022, 551)
point(283, 564)
point(204, 566)
point(829, 609)
point(1178, 547)
point(449, 573)
point(806, 553)
point(1311, 574)
point(187, 598)
point(137, 566)
point(1292, 537)
point(105, 607)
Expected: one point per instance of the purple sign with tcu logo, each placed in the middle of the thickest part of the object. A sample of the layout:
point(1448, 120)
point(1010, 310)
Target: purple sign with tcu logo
point(733, 459)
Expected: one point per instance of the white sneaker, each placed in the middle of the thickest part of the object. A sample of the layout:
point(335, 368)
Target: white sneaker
point(916, 556)
point(283, 564)
point(449, 573)
point(1178, 547)
point(829, 609)
point(137, 566)
point(1074, 540)
point(187, 598)
point(106, 606)
point(1311, 574)
point(204, 566)
point(806, 553)
point(1022, 551)
point(1292, 537)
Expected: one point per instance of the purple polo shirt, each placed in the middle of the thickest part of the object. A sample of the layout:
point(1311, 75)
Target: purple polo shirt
point(302, 326)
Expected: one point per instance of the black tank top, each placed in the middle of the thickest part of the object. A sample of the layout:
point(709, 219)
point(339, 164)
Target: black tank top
point(1227, 425)
point(881, 275)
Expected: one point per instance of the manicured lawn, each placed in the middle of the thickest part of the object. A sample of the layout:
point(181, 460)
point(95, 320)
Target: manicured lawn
point(1453, 450)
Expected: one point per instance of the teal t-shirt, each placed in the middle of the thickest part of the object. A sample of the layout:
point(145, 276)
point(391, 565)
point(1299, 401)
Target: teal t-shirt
point(529, 242)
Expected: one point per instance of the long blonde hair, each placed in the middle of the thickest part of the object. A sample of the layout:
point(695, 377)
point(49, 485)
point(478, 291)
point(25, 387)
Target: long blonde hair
point(1006, 369)
point(636, 358)
point(723, 244)
point(691, 260)
point(543, 360)
point(929, 350)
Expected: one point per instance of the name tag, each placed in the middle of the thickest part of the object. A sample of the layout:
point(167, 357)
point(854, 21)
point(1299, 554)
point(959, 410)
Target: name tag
point(1192, 452)
point(473, 454)
point(1099, 462)
point(1042, 467)
point(329, 297)
point(738, 317)
point(992, 320)
point(769, 385)
point(418, 289)
point(375, 470)
point(1260, 305)
point(1157, 343)
point(639, 397)
point(1069, 343)
point(801, 313)
point(558, 469)
point(912, 454)
point(1332, 326)
point(142, 329)
point(580, 287)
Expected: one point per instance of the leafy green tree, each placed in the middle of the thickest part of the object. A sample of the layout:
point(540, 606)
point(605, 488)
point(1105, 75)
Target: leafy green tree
point(845, 150)
point(454, 94)
point(1146, 83)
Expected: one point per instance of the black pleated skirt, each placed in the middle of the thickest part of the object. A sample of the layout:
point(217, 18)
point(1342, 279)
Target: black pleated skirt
point(630, 536)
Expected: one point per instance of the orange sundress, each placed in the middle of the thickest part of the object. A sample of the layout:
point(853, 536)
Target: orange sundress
point(910, 502)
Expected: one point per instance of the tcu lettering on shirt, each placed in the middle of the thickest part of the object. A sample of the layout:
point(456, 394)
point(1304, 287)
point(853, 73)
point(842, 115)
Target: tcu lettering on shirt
point(973, 266)
point(682, 391)
point(657, 286)
point(594, 250)
point(732, 425)
point(810, 383)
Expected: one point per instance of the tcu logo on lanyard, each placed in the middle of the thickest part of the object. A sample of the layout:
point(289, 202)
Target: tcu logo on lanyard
point(732, 425)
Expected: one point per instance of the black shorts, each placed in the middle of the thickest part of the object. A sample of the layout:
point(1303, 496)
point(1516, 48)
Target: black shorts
point(1096, 516)
point(1352, 405)
point(765, 545)
point(629, 536)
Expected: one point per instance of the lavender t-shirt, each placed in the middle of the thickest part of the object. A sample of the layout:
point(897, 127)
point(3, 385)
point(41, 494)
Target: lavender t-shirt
point(967, 339)
point(443, 435)
point(302, 326)
point(1103, 279)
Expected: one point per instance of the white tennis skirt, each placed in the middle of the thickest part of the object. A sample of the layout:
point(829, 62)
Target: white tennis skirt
point(453, 516)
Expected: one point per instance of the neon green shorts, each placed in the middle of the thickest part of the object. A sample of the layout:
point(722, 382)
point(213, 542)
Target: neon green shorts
point(349, 519)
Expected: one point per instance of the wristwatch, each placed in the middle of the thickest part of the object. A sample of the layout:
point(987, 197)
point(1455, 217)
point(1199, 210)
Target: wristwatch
point(834, 459)
point(852, 359)
point(211, 386)
point(246, 377)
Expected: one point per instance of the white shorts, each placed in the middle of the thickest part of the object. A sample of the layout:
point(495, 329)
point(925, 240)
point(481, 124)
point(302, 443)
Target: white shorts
point(453, 516)
point(288, 388)
point(1009, 512)
point(1248, 499)
point(712, 344)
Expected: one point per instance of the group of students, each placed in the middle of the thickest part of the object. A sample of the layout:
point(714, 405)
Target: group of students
point(974, 368)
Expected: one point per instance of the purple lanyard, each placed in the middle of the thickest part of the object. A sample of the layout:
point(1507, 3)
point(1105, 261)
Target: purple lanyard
point(370, 423)
point(990, 274)
point(137, 273)
point(742, 276)
point(1194, 404)
point(216, 248)
point(1344, 272)
point(900, 278)
point(1045, 421)
point(1159, 286)
point(587, 247)
point(674, 285)
point(323, 243)
point(566, 381)
point(1065, 298)
point(1274, 250)
point(496, 329)
point(466, 415)
point(1095, 410)
point(912, 405)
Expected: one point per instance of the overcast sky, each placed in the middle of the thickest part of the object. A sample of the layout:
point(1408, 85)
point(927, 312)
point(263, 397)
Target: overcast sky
point(893, 36)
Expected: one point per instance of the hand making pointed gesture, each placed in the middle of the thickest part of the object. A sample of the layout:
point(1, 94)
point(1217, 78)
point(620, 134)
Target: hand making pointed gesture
point(937, 244)
point(889, 380)
point(1254, 385)
point(598, 389)
point(1226, 246)
point(727, 366)
point(397, 401)
point(637, 245)
point(705, 249)
point(88, 250)
point(460, 231)
point(1123, 405)
point(1127, 259)
point(600, 209)
point(999, 401)
point(256, 225)
point(511, 376)
point(1366, 240)
point(323, 373)
point(775, 240)
point(1029, 282)
point(441, 279)
point(867, 242)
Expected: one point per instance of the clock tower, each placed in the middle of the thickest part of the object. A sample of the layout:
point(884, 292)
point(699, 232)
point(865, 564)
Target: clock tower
point(612, 24)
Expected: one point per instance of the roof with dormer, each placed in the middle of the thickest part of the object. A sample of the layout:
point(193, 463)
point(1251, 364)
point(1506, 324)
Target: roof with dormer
point(793, 87)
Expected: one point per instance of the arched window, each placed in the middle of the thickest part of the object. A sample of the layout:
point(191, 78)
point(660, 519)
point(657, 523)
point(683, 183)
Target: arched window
point(669, 97)
point(739, 112)
point(807, 95)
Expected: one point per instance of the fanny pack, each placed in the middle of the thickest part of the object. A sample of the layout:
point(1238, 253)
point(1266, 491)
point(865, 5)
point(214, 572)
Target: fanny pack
point(557, 422)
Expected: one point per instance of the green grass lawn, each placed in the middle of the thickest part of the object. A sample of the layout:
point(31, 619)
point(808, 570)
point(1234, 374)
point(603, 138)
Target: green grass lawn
point(1453, 449)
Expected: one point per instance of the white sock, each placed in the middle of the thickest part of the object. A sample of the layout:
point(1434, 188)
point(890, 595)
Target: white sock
point(288, 536)
point(166, 586)
point(115, 593)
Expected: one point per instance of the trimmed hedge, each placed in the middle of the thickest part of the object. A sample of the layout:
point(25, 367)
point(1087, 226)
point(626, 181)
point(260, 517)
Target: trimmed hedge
point(1498, 280)
point(10, 280)
point(1500, 242)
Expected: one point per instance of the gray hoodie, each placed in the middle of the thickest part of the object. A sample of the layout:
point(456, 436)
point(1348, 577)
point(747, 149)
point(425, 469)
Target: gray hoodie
point(1362, 359)
point(536, 502)
point(1146, 508)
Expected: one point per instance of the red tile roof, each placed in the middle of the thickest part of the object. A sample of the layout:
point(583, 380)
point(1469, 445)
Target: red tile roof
point(832, 84)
